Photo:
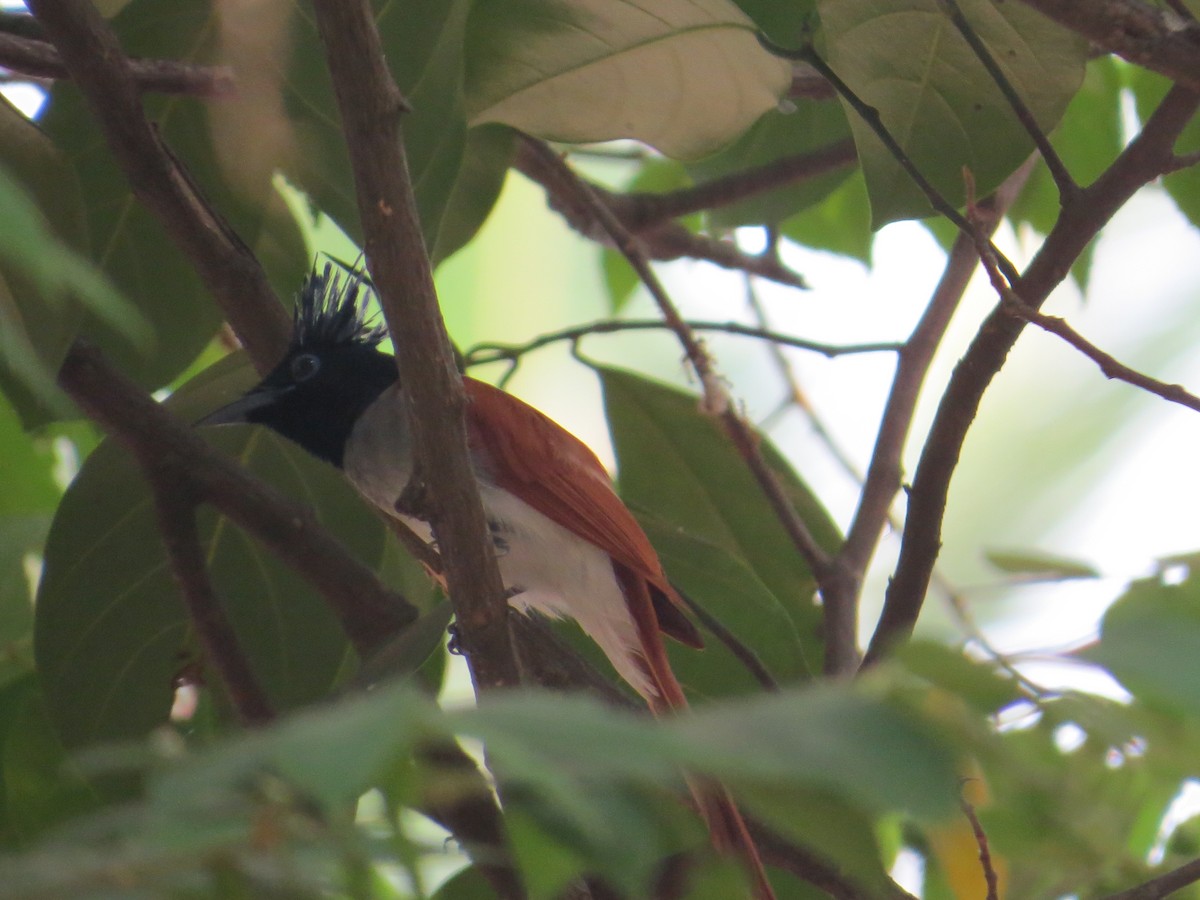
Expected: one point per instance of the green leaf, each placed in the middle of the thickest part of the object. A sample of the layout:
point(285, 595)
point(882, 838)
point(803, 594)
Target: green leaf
point(41, 787)
point(980, 685)
point(906, 59)
point(723, 585)
point(812, 125)
point(685, 79)
point(841, 223)
point(867, 750)
point(1150, 641)
point(1043, 566)
point(678, 464)
point(111, 631)
point(779, 21)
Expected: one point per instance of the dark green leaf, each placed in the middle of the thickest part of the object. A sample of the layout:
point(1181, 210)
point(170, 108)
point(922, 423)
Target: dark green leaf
point(677, 463)
point(908, 61)
point(722, 584)
point(111, 632)
point(782, 22)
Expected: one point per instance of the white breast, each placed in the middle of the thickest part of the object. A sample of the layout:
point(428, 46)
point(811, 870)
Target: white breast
point(547, 567)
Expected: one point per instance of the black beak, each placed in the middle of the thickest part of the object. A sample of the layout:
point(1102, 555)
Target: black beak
point(240, 409)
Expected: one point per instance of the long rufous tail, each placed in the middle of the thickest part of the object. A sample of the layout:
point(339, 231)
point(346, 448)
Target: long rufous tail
point(726, 827)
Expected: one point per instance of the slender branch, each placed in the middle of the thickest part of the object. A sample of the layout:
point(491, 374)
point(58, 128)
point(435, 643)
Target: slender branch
point(1108, 365)
point(1157, 39)
point(481, 354)
point(1058, 171)
point(985, 852)
point(38, 59)
point(884, 473)
point(1163, 885)
point(176, 511)
point(93, 57)
point(1143, 160)
point(369, 612)
point(370, 106)
point(641, 211)
point(716, 398)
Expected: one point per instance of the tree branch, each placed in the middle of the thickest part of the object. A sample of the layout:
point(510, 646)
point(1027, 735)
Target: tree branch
point(370, 105)
point(1146, 157)
point(38, 59)
point(94, 59)
point(1156, 39)
point(176, 511)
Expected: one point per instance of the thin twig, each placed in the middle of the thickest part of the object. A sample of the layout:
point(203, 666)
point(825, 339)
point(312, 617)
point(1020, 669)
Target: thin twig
point(232, 274)
point(716, 398)
point(1108, 365)
point(1058, 171)
point(1163, 885)
point(985, 853)
point(371, 105)
point(38, 59)
point(1079, 220)
point(481, 354)
point(176, 511)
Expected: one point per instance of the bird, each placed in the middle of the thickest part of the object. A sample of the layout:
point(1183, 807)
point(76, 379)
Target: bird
point(566, 545)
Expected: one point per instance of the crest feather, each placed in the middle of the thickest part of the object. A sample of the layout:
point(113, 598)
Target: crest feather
point(332, 310)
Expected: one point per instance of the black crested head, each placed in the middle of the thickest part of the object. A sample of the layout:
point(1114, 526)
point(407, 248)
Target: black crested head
point(329, 313)
point(332, 372)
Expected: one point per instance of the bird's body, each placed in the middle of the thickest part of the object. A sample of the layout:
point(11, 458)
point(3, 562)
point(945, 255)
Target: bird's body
point(546, 567)
point(566, 546)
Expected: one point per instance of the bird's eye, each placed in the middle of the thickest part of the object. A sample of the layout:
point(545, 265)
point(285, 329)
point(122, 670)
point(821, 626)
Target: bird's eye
point(305, 366)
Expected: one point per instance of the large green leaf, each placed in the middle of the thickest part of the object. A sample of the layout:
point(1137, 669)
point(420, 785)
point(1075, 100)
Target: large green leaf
point(111, 631)
point(906, 59)
point(684, 77)
point(841, 223)
point(133, 247)
point(678, 464)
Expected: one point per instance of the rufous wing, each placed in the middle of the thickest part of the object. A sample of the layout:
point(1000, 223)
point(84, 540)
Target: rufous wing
point(539, 461)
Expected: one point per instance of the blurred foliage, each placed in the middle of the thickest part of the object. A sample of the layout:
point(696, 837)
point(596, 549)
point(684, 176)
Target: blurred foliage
point(103, 795)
